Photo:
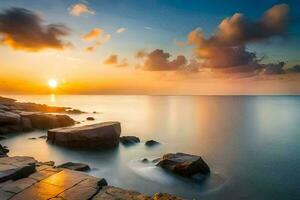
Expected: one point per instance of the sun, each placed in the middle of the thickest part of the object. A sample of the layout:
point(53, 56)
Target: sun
point(52, 83)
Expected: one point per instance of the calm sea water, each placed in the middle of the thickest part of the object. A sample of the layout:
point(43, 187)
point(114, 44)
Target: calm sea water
point(251, 143)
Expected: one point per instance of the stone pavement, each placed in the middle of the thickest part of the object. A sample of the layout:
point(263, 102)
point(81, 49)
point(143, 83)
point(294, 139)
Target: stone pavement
point(22, 178)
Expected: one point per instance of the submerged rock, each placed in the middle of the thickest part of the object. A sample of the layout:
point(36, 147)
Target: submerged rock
point(129, 140)
point(75, 166)
point(145, 160)
point(43, 137)
point(90, 118)
point(151, 143)
point(184, 164)
point(102, 135)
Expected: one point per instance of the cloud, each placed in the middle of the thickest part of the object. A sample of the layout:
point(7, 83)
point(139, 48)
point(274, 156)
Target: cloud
point(22, 29)
point(120, 30)
point(158, 60)
point(111, 60)
point(226, 49)
point(93, 34)
point(141, 53)
point(294, 69)
point(114, 60)
point(96, 34)
point(271, 69)
point(80, 8)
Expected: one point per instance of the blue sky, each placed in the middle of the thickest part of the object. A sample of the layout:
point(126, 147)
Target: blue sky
point(169, 20)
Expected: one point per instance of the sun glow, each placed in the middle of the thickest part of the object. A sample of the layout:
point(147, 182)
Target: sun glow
point(52, 83)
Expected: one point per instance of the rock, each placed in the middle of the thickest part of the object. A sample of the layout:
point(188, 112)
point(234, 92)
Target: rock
point(32, 138)
point(26, 124)
point(2, 137)
point(165, 196)
point(102, 135)
point(114, 193)
point(65, 184)
point(43, 137)
point(16, 167)
point(48, 121)
point(3, 151)
point(48, 163)
point(156, 160)
point(90, 118)
point(4, 108)
point(145, 160)
point(5, 100)
point(129, 140)
point(74, 111)
point(75, 166)
point(151, 143)
point(102, 182)
point(184, 164)
point(9, 118)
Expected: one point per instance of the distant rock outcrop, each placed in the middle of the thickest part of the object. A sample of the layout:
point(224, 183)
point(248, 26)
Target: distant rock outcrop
point(101, 135)
point(19, 117)
point(184, 164)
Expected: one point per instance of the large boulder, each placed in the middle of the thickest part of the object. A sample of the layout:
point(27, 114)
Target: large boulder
point(46, 121)
point(184, 164)
point(102, 135)
point(9, 118)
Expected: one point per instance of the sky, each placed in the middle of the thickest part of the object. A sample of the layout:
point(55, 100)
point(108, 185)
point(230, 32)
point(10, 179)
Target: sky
point(155, 47)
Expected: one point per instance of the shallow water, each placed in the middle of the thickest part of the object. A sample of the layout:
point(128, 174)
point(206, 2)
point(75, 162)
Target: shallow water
point(251, 143)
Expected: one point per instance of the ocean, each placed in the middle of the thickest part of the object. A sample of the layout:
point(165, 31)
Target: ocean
point(251, 143)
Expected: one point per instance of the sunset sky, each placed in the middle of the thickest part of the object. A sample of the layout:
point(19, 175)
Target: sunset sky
point(150, 47)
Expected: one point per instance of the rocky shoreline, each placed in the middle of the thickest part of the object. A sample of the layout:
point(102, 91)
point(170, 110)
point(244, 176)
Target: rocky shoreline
point(23, 177)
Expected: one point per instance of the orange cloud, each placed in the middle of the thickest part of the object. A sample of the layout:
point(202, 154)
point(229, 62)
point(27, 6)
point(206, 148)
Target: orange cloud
point(22, 29)
point(111, 60)
point(114, 60)
point(80, 8)
point(93, 34)
point(102, 40)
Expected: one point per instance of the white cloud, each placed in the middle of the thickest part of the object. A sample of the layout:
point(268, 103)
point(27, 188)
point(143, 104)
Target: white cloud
point(80, 8)
point(120, 30)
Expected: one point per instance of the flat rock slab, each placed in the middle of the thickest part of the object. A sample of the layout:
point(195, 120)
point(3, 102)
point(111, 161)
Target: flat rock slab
point(101, 135)
point(65, 184)
point(184, 164)
point(16, 167)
